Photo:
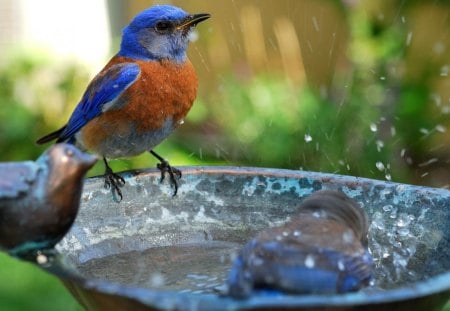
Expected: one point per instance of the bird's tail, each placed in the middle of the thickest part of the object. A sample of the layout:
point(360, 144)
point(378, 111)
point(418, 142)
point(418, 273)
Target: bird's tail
point(52, 136)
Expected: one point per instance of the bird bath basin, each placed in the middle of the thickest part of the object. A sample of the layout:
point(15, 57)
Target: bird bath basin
point(153, 251)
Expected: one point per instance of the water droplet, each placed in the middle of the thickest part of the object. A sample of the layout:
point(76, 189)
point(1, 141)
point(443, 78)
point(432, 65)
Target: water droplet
point(156, 279)
point(348, 236)
point(402, 153)
point(393, 213)
point(315, 23)
point(409, 161)
point(380, 166)
point(380, 145)
point(409, 38)
point(403, 220)
point(195, 276)
point(440, 128)
point(193, 36)
point(424, 131)
point(436, 98)
point(444, 71)
point(393, 131)
point(41, 259)
point(403, 231)
point(400, 260)
point(380, 226)
point(387, 208)
point(430, 161)
point(340, 265)
point(257, 261)
point(309, 261)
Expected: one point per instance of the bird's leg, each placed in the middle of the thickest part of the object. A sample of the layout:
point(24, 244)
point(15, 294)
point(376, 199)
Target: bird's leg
point(113, 180)
point(165, 167)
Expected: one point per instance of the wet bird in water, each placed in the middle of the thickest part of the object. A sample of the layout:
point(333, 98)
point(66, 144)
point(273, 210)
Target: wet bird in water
point(39, 200)
point(141, 96)
point(321, 250)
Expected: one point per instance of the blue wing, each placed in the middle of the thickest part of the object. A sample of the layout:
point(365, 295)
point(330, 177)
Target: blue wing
point(100, 96)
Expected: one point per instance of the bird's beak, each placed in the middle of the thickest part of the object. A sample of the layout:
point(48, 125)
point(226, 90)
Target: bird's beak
point(88, 160)
point(193, 20)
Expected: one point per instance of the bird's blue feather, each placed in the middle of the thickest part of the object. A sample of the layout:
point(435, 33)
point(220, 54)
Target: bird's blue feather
point(101, 92)
point(141, 41)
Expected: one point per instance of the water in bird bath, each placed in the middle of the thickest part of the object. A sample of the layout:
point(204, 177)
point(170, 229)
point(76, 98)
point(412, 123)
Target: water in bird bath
point(396, 240)
point(200, 268)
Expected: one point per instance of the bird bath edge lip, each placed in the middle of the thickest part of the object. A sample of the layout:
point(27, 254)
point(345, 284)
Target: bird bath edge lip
point(257, 182)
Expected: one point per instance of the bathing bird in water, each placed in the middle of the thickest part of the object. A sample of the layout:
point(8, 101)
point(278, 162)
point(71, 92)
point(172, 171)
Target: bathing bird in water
point(321, 250)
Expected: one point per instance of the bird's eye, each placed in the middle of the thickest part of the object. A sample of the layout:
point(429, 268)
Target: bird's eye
point(164, 27)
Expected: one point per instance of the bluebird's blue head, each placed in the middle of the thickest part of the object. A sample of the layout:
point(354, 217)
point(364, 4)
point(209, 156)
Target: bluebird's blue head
point(160, 32)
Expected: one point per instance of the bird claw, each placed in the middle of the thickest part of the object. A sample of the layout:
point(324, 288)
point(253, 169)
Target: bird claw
point(114, 182)
point(173, 172)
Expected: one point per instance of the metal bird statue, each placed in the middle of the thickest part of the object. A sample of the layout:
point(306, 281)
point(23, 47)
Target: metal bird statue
point(321, 250)
point(39, 200)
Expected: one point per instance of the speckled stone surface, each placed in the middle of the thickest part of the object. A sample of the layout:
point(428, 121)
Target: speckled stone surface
point(409, 236)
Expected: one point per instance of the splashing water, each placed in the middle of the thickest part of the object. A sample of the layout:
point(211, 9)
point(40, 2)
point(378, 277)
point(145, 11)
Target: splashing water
point(396, 259)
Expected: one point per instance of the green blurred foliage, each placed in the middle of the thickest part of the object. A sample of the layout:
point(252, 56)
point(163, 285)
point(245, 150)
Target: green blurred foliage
point(27, 287)
point(35, 96)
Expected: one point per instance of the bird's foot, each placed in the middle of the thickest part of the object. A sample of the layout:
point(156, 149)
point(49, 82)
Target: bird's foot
point(173, 172)
point(165, 167)
point(114, 182)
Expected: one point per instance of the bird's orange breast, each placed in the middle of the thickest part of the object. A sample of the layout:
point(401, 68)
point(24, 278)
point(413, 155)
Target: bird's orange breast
point(164, 90)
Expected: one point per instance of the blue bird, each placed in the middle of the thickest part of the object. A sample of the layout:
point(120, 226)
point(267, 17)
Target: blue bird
point(321, 250)
point(142, 94)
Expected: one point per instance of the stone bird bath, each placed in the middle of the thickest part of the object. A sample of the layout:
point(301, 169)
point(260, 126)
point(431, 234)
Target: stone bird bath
point(153, 251)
